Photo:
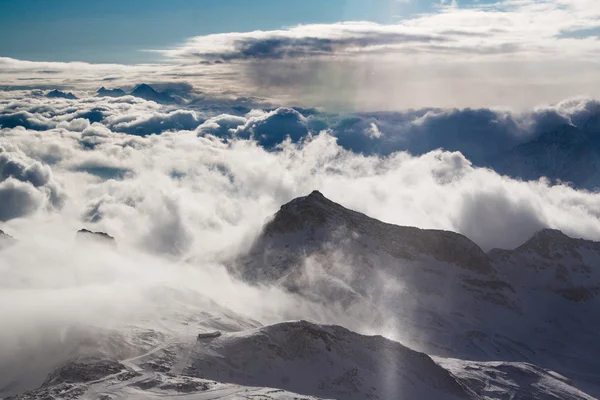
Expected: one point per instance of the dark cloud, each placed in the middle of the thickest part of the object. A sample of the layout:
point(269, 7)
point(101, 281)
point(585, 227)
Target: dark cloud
point(280, 47)
point(25, 119)
point(272, 128)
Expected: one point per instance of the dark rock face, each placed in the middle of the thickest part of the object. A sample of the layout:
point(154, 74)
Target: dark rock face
point(313, 220)
point(103, 92)
point(57, 94)
point(82, 371)
point(146, 92)
point(100, 236)
point(328, 253)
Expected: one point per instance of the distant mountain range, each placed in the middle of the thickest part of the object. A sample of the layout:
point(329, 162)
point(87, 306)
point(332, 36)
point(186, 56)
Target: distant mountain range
point(142, 91)
point(57, 94)
point(565, 154)
point(103, 92)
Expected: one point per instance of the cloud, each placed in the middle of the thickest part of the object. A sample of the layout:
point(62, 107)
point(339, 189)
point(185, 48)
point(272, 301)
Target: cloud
point(508, 53)
point(272, 128)
point(156, 123)
point(184, 184)
point(17, 199)
point(300, 41)
point(490, 137)
point(223, 126)
point(26, 185)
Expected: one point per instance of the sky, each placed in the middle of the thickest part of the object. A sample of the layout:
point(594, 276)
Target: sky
point(369, 55)
point(116, 31)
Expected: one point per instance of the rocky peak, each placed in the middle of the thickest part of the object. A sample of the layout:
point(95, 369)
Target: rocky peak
point(316, 220)
point(57, 94)
point(101, 236)
point(103, 92)
point(310, 211)
point(146, 92)
point(548, 241)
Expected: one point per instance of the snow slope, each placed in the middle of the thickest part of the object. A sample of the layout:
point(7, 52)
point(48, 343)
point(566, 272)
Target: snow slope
point(536, 304)
point(510, 324)
point(323, 361)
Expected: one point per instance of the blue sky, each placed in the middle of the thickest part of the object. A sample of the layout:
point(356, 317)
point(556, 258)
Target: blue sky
point(116, 30)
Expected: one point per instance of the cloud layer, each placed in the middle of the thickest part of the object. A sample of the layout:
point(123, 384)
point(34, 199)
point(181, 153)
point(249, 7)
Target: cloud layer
point(167, 179)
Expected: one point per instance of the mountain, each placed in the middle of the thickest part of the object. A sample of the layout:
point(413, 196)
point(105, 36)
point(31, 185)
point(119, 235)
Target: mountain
point(5, 240)
point(99, 237)
point(323, 361)
point(156, 335)
point(506, 380)
point(467, 324)
point(313, 221)
point(146, 92)
point(291, 360)
point(553, 261)
point(103, 92)
point(535, 304)
point(57, 94)
point(352, 255)
point(568, 153)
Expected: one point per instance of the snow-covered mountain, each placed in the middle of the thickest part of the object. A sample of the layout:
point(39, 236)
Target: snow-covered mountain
point(552, 261)
point(103, 92)
point(509, 324)
point(568, 153)
point(532, 304)
point(57, 94)
point(146, 92)
point(323, 361)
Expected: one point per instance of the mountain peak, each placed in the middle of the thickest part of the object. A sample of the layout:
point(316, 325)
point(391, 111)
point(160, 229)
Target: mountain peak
point(147, 92)
point(548, 236)
point(100, 236)
point(308, 223)
point(144, 86)
point(316, 194)
point(57, 94)
point(548, 241)
point(313, 210)
point(104, 92)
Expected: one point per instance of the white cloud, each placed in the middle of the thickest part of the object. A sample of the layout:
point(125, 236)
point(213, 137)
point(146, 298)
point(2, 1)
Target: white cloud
point(216, 193)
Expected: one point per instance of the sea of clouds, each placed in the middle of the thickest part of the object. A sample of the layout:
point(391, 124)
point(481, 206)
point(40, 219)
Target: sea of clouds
point(186, 188)
point(172, 179)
